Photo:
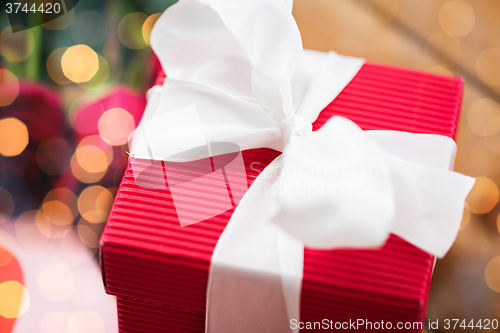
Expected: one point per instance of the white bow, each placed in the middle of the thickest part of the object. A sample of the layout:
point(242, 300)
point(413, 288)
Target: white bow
point(236, 73)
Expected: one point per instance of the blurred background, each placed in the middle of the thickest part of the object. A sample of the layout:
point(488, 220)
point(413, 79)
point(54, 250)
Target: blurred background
point(72, 89)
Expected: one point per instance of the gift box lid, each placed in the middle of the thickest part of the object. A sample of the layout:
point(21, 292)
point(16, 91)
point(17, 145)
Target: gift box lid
point(147, 256)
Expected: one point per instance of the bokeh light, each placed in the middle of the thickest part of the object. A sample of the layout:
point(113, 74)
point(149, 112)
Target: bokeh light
point(85, 321)
point(457, 18)
point(28, 232)
point(9, 87)
point(94, 203)
point(483, 160)
point(14, 136)
point(53, 156)
point(5, 256)
point(492, 274)
point(54, 67)
point(88, 236)
point(65, 196)
point(148, 26)
point(100, 78)
point(57, 212)
point(80, 63)
point(6, 205)
point(488, 66)
point(90, 28)
point(130, 30)
point(14, 299)
point(492, 127)
point(55, 322)
point(115, 126)
point(484, 196)
point(56, 282)
point(480, 113)
point(91, 158)
point(16, 46)
point(83, 175)
point(492, 135)
point(54, 219)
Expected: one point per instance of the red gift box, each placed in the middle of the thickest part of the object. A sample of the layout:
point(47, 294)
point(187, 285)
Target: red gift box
point(159, 270)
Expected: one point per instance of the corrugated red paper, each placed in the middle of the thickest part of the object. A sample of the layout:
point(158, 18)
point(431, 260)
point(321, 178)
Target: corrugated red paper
point(159, 270)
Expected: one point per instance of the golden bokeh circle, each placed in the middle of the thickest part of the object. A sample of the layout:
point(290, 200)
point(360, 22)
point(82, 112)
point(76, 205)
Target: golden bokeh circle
point(88, 236)
point(148, 26)
point(56, 282)
point(100, 78)
point(9, 87)
point(480, 113)
point(130, 30)
point(115, 126)
point(16, 46)
point(457, 18)
point(484, 196)
point(14, 136)
point(80, 63)
point(488, 66)
point(65, 196)
point(91, 158)
point(492, 274)
point(54, 219)
point(94, 203)
point(54, 67)
point(14, 299)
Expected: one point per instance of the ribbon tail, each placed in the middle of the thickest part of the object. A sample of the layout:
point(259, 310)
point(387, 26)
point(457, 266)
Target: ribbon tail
point(433, 200)
point(256, 270)
point(429, 197)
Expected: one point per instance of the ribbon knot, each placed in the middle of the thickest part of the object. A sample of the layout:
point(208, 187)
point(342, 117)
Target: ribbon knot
point(293, 126)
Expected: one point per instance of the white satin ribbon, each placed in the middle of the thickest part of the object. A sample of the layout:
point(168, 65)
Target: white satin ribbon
point(236, 72)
